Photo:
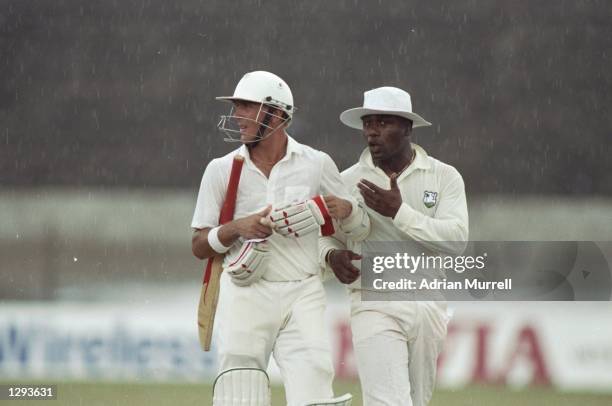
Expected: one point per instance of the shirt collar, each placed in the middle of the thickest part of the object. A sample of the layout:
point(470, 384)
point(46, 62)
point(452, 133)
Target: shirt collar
point(293, 147)
point(421, 161)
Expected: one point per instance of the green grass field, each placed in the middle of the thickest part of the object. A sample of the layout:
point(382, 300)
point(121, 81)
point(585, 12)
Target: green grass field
point(155, 394)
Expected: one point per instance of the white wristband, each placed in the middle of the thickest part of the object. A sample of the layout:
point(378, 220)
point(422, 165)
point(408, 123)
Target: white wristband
point(214, 242)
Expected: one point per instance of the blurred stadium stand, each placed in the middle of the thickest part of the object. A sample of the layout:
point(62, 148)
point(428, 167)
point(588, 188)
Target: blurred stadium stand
point(69, 244)
point(122, 93)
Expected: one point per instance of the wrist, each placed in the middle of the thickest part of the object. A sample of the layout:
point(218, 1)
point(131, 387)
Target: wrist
point(214, 241)
point(329, 254)
point(228, 233)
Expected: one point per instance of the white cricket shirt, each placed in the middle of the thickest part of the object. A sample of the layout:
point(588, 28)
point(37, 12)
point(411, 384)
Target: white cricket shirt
point(301, 174)
point(433, 211)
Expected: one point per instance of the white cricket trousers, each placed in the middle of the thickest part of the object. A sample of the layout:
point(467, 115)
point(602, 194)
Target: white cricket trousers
point(283, 318)
point(397, 345)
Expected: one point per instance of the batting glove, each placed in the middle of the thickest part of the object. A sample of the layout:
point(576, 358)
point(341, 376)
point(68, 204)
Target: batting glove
point(299, 219)
point(249, 264)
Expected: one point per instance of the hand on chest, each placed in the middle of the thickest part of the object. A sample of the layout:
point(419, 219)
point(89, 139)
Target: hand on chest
point(420, 192)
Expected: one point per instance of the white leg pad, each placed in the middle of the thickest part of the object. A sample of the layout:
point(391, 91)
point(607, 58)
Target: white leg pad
point(344, 400)
point(242, 387)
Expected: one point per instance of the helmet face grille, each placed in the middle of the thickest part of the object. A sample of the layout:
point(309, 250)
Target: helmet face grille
point(228, 124)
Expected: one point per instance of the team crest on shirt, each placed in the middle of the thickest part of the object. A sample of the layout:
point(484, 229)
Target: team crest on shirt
point(430, 199)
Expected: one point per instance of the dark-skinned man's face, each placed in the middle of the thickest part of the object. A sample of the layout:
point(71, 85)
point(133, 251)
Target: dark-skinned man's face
point(387, 136)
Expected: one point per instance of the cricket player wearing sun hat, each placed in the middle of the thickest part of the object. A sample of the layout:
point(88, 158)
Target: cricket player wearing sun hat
point(409, 196)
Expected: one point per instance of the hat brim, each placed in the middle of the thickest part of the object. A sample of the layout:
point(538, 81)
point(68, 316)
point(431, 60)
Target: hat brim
point(352, 117)
point(232, 98)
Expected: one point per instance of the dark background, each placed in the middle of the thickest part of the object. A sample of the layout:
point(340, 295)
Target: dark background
point(121, 93)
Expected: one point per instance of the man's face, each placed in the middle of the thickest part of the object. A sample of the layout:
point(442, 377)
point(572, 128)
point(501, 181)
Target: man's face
point(387, 136)
point(249, 116)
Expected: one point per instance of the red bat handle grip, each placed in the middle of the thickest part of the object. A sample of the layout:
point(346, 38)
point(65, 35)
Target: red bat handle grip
point(229, 204)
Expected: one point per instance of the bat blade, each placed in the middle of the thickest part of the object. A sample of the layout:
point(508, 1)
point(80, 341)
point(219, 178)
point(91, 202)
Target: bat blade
point(209, 295)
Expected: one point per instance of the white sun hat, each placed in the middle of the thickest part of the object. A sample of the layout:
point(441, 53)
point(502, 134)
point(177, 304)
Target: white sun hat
point(383, 100)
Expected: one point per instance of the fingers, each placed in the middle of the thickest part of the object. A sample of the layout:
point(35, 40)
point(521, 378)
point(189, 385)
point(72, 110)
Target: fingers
point(337, 207)
point(265, 221)
point(256, 231)
point(369, 190)
point(266, 211)
point(254, 226)
point(328, 198)
point(354, 256)
point(264, 228)
point(369, 197)
point(330, 201)
point(365, 184)
point(346, 279)
point(261, 231)
point(370, 185)
point(353, 269)
point(342, 266)
point(365, 191)
point(346, 274)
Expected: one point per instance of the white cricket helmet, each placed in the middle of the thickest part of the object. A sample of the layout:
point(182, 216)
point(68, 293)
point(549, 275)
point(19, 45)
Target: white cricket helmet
point(259, 87)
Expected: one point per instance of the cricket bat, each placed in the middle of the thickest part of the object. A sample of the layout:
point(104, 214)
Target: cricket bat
point(209, 296)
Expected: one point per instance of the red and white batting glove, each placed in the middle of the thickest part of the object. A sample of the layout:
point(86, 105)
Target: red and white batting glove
point(299, 219)
point(249, 264)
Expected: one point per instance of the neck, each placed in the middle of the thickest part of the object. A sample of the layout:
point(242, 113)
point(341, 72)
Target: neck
point(271, 149)
point(399, 162)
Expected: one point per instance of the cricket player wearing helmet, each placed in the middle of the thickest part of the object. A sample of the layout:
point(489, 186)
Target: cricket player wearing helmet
point(271, 298)
point(409, 196)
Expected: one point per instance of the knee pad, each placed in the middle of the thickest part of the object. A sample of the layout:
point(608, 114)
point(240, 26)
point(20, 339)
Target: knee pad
point(242, 387)
point(344, 400)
